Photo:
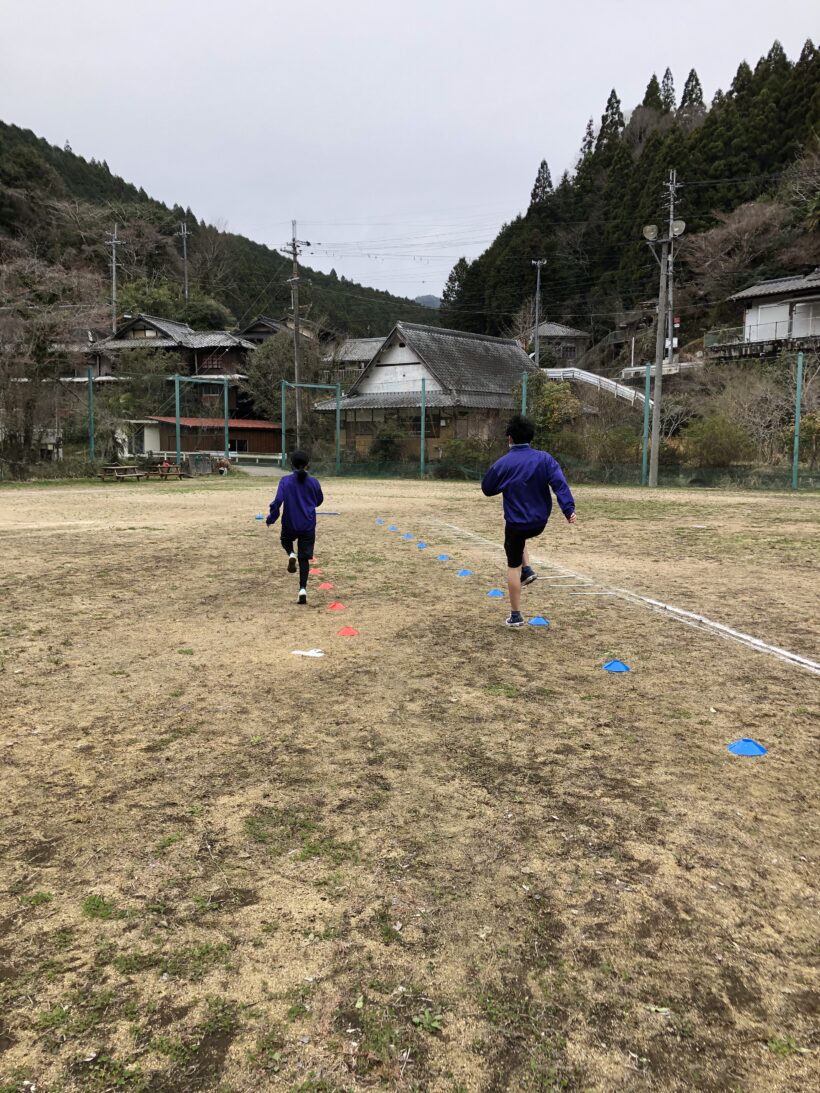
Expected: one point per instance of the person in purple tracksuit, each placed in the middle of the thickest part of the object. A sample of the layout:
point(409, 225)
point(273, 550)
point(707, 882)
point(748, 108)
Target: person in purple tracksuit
point(524, 477)
point(300, 494)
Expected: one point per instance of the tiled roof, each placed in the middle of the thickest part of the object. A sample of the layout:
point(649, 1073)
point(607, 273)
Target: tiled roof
point(464, 364)
point(215, 339)
point(388, 400)
point(168, 326)
point(801, 283)
point(133, 343)
point(357, 350)
point(175, 336)
point(263, 320)
point(558, 330)
point(217, 422)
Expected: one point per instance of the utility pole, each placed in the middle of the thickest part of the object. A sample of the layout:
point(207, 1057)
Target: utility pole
point(538, 263)
point(665, 316)
point(659, 354)
point(113, 243)
point(673, 185)
point(184, 233)
point(295, 244)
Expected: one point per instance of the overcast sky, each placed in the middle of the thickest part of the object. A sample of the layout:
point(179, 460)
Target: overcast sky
point(399, 135)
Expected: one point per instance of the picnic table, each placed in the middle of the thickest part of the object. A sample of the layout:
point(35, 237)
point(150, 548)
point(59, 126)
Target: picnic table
point(173, 470)
point(115, 472)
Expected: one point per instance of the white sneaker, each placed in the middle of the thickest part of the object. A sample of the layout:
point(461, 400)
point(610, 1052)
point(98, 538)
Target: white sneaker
point(292, 563)
point(302, 597)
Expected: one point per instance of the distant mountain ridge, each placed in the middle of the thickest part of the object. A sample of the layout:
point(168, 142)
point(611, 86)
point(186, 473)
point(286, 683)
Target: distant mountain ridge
point(59, 206)
point(433, 302)
point(746, 166)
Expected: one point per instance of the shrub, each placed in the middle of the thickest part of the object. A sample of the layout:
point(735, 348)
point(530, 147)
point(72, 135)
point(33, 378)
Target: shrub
point(387, 443)
point(715, 441)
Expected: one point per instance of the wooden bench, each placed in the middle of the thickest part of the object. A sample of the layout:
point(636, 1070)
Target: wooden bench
point(174, 471)
point(116, 473)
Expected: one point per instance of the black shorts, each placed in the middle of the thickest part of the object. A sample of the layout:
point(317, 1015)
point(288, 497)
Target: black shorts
point(306, 542)
point(515, 539)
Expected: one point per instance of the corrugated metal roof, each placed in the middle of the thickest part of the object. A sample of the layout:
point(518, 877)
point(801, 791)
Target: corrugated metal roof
point(778, 285)
point(558, 330)
point(218, 423)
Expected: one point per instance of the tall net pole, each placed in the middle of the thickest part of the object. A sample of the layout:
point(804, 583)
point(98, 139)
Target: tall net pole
point(798, 396)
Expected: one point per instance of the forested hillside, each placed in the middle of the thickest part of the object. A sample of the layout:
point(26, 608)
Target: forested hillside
point(56, 210)
point(749, 174)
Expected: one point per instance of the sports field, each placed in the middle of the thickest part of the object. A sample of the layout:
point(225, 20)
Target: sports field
point(445, 856)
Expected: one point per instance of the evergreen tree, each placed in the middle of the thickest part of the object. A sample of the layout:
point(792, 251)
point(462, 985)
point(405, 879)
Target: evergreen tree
point(455, 284)
point(652, 95)
point(692, 92)
point(67, 147)
point(668, 101)
point(612, 124)
point(588, 144)
point(742, 83)
point(543, 185)
point(692, 109)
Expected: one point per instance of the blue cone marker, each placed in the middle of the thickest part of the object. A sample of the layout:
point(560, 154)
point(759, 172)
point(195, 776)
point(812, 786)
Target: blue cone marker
point(408, 535)
point(747, 746)
point(422, 546)
point(496, 594)
point(380, 521)
point(259, 518)
point(443, 557)
point(464, 573)
point(539, 620)
point(392, 528)
point(616, 666)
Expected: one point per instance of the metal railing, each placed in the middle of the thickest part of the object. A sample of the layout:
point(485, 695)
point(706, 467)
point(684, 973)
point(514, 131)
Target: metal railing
point(619, 390)
point(757, 333)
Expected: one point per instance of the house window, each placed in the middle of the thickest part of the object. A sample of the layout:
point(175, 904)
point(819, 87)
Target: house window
point(237, 445)
point(569, 352)
point(432, 429)
point(806, 319)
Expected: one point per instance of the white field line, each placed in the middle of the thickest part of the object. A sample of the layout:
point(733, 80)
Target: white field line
point(679, 614)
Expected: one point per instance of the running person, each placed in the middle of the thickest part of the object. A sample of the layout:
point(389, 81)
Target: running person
point(300, 494)
point(524, 477)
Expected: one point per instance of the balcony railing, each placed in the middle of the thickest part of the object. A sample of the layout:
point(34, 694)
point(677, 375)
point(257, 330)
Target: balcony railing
point(757, 333)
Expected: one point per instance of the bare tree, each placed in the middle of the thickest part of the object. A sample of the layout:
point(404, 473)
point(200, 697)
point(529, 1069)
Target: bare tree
point(521, 327)
point(41, 337)
point(721, 256)
point(210, 266)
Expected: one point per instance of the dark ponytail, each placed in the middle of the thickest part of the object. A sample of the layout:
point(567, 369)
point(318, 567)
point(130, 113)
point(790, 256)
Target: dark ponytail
point(299, 461)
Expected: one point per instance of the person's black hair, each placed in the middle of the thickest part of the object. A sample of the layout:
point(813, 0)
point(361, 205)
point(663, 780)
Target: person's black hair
point(299, 460)
point(520, 429)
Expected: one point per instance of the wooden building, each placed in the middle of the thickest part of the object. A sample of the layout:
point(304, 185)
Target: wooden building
point(208, 352)
point(470, 383)
point(561, 343)
point(207, 434)
point(783, 313)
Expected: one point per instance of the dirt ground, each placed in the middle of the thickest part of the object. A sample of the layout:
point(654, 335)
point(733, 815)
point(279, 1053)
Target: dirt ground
point(445, 856)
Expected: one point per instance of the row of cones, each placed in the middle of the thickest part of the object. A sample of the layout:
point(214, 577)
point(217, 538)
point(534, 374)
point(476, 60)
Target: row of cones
point(327, 586)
